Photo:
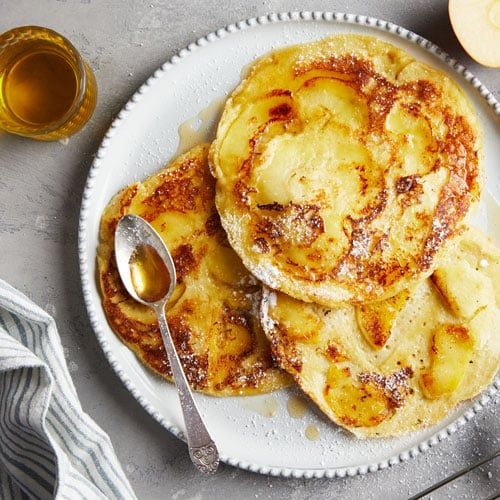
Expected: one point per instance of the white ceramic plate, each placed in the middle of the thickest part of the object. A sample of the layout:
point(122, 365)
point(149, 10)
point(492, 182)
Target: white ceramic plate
point(144, 137)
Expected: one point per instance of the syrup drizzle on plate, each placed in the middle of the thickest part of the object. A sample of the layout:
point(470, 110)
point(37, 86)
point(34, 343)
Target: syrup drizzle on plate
point(297, 406)
point(312, 432)
point(200, 128)
point(267, 407)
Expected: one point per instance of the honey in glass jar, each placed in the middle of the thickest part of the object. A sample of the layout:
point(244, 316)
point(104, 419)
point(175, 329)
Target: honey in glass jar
point(47, 91)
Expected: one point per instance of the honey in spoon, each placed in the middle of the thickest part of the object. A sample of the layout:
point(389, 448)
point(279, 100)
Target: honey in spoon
point(149, 274)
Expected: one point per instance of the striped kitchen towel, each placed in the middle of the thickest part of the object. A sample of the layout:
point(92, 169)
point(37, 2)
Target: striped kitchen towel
point(49, 447)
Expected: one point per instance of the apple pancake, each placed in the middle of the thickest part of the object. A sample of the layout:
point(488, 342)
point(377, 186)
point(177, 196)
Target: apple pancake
point(400, 364)
point(343, 167)
point(213, 314)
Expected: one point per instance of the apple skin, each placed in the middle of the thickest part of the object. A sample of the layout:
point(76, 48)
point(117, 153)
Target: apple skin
point(476, 24)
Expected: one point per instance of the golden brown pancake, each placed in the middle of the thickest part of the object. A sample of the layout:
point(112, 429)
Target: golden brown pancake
point(401, 364)
point(213, 313)
point(343, 168)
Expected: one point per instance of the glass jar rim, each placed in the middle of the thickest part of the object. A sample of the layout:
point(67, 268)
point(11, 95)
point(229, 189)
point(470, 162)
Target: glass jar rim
point(80, 74)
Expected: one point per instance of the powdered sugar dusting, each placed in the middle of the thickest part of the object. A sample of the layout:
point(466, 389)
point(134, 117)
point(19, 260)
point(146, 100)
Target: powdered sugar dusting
point(360, 245)
point(268, 274)
point(395, 386)
point(269, 301)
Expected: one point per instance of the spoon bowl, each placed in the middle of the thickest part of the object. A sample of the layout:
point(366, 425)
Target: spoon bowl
point(131, 233)
point(147, 270)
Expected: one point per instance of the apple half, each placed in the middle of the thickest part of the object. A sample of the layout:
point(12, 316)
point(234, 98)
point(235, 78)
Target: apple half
point(477, 26)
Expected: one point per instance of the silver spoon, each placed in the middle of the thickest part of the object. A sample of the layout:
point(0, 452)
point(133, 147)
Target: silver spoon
point(148, 273)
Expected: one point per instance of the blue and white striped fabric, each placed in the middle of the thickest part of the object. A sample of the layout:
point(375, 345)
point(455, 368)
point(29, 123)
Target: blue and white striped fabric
point(49, 448)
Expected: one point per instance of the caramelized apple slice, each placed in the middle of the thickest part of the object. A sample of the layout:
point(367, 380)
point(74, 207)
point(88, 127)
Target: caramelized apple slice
point(299, 319)
point(236, 338)
point(375, 319)
point(465, 289)
point(355, 403)
point(225, 268)
point(451, 349)
point(323, 93)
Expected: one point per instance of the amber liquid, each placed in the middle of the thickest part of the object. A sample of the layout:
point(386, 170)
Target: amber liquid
point(297, 406)
point(46, 90)
point(149, 274)
point(312, 433)
point(41, 88)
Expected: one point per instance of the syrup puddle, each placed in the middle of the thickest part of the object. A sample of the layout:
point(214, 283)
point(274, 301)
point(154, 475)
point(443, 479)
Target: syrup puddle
point(200, 128)
point(296, 406)
point(267, 407)
point(312, 433)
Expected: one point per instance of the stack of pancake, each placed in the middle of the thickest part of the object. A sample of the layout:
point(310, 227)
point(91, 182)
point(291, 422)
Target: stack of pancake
point(330, 216)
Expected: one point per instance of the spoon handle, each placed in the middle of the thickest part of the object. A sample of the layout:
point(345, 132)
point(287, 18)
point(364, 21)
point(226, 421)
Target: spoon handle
point(202, 449)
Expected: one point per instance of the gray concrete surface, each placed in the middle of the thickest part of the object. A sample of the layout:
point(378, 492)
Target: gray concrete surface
point(40, 189)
